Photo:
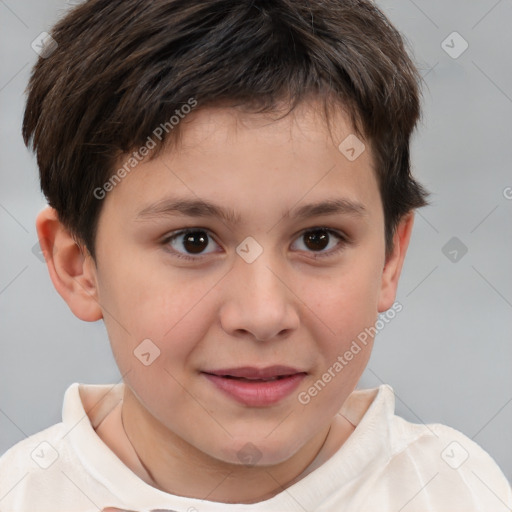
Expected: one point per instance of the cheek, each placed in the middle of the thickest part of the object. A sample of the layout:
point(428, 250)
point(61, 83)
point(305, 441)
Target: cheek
point(344, 303)
point(345, 309)
point(159, 306)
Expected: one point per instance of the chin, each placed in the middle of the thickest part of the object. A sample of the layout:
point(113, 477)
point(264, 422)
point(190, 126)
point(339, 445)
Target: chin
point(253, 452)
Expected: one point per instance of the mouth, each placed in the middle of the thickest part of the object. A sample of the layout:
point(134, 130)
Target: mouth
point(278, 377)
point(257, 387)
point(251, 373)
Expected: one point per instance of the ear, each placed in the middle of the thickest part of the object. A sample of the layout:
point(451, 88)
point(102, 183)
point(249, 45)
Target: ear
point(72, 269)
point(394, 262)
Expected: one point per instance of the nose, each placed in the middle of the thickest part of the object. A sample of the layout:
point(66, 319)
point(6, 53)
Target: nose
point(259, 302)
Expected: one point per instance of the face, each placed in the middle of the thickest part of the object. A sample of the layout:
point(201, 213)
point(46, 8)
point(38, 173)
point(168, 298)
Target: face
point(254, 249)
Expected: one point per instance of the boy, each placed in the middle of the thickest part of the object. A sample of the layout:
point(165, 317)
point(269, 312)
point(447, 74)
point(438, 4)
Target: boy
point(230, 191)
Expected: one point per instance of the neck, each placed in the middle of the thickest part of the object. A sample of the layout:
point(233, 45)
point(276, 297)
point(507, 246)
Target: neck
point(172, 465)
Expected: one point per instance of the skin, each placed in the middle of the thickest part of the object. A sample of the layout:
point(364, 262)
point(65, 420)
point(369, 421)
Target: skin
point(290, 306)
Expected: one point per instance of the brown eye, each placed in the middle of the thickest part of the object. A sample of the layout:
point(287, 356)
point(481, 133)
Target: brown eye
point(193, 242)
point(316, 240)
point(320, 242)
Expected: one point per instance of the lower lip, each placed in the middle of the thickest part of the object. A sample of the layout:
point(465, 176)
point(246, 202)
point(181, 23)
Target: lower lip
point(257, 393)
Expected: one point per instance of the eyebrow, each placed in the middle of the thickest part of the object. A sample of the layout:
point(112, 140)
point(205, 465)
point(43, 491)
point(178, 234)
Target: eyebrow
point(203, 208)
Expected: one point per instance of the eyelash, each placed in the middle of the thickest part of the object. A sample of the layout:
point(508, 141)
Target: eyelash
point(344, 240)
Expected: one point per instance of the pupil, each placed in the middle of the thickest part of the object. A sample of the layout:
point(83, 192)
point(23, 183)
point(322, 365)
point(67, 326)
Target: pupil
point(317, 240)
point(196, 242)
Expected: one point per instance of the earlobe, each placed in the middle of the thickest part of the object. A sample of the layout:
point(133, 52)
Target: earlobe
point(71, 268)
point(394, 263)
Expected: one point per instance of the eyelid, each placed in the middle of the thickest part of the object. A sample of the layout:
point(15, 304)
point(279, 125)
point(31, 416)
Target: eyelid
point(343, 238)
point(180, 232)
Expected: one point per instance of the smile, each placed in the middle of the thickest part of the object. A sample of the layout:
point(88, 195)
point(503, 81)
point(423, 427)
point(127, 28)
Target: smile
point(256, 387)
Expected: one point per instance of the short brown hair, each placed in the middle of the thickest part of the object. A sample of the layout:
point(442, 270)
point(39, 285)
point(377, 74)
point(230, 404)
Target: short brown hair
point(123, 67)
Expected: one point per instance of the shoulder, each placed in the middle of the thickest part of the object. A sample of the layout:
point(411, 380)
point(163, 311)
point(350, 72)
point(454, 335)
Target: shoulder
point(53, 470)
point(446, 468)
point(38, 452)
point(34, 451)
point(37, 469)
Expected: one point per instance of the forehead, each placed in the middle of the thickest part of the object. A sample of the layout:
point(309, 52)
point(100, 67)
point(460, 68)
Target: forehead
point(307, 121)
point(245, 160)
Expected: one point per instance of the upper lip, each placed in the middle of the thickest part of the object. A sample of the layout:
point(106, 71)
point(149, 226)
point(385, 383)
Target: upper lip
point(250, 372)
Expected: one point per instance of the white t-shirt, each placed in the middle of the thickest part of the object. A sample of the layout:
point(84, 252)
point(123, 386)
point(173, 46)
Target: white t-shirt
point(386, 465)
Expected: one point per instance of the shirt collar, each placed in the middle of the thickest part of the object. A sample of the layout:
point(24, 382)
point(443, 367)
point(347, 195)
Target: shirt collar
point(367, 448)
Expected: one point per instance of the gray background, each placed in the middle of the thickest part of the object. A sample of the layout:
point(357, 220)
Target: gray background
point(448, 354)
